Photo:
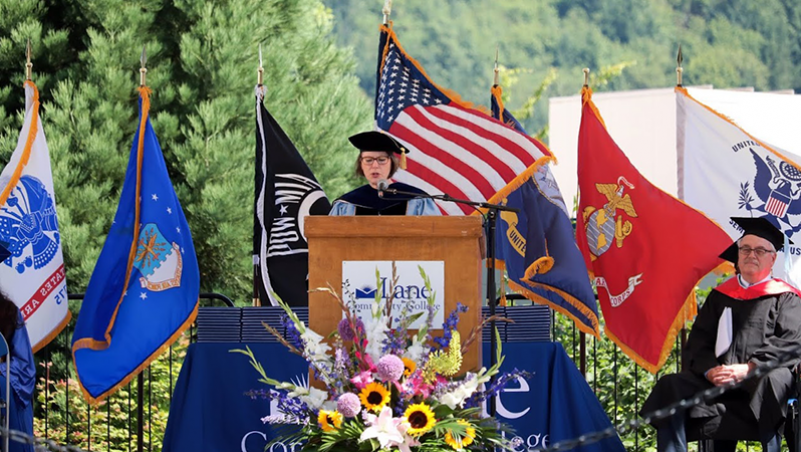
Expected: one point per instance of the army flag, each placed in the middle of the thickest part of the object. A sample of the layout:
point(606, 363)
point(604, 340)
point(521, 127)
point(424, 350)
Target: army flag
point(536, 245)
point(144, 290)
point(726, 172)
point(646, 249)
point(286, 193)
point(454, 148)
point(31, 262)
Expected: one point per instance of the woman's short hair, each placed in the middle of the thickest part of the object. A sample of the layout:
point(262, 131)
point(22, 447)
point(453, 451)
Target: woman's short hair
point(393, 160)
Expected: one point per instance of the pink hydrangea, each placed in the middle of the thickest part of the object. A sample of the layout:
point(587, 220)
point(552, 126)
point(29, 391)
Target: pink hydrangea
point(349, 405)
point(389, 368)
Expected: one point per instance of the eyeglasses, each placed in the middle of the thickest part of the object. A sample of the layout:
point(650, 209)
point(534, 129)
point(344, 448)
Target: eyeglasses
point(760, 252)
point(370, 160)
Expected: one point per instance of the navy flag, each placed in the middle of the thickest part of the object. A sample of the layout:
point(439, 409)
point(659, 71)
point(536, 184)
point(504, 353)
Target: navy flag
point(144, 290)
point(537, 246)
point(286, 192)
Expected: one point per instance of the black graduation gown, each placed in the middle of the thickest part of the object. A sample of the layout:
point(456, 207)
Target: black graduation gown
point(765, 328)
point(367, 201)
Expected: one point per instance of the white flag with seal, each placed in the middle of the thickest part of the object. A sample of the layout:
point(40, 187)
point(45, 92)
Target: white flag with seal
point(726, 172)
point(33, 274)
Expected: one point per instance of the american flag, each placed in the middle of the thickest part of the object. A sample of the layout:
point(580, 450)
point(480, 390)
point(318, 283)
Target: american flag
point(454, 148)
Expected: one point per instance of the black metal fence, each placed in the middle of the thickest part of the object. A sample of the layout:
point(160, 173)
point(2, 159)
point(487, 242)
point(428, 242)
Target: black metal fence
point(137, 411)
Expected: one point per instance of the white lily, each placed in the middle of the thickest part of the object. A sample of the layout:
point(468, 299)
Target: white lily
point(314, 398)
point(389, 431)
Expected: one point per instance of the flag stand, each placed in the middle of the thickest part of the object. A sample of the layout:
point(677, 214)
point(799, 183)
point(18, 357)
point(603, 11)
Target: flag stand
point(491, 220)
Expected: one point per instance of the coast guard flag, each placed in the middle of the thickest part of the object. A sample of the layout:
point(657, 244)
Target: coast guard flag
point(725, 172)
point(536, 245)
point(144, 290)
point(454, 148)
point(647, 250)
point(286, 193)
point(31, 263)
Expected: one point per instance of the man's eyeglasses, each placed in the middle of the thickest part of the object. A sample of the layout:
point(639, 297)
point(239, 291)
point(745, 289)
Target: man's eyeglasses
point(370, 160)
point(760, 252)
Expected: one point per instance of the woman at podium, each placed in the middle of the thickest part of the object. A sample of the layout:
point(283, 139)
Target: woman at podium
point(380, 156)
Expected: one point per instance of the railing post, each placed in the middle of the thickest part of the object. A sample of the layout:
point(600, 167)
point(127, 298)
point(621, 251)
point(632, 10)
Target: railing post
point(583, 354)
point(140, 412)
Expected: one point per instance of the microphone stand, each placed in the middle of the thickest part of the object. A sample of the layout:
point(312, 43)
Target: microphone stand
point(492, 216)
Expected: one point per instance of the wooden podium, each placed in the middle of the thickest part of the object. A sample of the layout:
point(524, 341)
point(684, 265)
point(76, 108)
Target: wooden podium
point(454, 240)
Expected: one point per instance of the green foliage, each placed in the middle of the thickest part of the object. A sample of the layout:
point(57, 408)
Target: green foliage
point(728, 43)
point(202, 60)
point(106, 426)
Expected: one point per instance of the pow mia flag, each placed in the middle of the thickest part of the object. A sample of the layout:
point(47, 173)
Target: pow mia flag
point(286, 192)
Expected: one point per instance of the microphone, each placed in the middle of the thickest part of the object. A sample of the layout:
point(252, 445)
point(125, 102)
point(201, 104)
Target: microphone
point(383, 185)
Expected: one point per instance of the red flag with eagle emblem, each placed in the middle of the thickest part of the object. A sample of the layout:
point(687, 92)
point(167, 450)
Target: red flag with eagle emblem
point(646, 250)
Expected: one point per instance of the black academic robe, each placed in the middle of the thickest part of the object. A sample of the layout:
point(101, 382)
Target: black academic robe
point(367, 202)
point(764, 328)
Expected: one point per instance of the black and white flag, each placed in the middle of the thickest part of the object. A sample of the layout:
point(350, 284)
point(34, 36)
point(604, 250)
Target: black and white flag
point(286, 192)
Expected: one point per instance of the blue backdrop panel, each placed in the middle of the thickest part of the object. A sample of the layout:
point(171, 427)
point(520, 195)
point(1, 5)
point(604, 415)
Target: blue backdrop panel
point(210, 410)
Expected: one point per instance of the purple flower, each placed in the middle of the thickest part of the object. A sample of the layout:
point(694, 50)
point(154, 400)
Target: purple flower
point(389, 368)
point(450, 324)
point(291, 333)
point(346, 330)
point(349, 405)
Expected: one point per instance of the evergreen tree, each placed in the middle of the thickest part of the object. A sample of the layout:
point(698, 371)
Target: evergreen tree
point(202, 61)
point(310, 92)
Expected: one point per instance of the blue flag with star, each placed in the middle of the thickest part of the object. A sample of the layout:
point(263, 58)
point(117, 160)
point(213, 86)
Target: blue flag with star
point(144, 290)
point(536, 245)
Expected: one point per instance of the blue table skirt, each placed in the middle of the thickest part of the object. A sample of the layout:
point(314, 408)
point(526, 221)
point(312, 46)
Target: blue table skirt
point(210, 410)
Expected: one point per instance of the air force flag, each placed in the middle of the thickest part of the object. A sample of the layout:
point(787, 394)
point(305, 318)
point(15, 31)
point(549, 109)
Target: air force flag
point(144, 290)
point(31, 262)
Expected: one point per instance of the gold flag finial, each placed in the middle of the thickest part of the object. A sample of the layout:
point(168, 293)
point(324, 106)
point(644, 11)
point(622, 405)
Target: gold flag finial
point(142, 66)
point(586, 77)
point(28, 64)
point(679, 69)
point(387, 10)
point(496, 82)
point(261, 68)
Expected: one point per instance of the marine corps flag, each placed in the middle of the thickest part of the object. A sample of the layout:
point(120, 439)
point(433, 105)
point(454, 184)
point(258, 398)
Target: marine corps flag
point(646, 249)
point(536, 245)
point(143, 292)
point(286, 192)
point(31, 262)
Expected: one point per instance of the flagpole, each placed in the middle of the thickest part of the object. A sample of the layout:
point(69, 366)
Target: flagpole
point(387, 10)
point(681, 365)
point(586, 71)
point(496, 80)
point(261, 69)
point(140, 378)
point(256, 302)
point(28, 64)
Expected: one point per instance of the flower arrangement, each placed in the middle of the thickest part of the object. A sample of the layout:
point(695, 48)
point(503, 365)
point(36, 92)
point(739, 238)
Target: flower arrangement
point(387, 388)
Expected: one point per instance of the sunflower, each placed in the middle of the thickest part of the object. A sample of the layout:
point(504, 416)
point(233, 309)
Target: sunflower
point(465, 440)
point(374, 396)
point(408, 367)
point(420, 418)
point(329, 420)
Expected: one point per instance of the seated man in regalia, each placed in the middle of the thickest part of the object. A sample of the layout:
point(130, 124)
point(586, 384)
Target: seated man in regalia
point(745, 322)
